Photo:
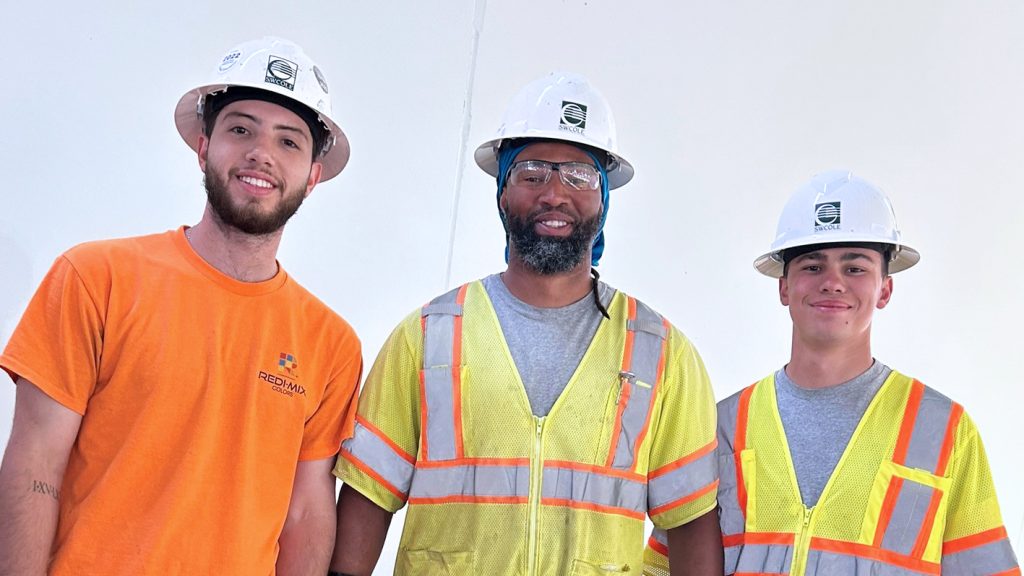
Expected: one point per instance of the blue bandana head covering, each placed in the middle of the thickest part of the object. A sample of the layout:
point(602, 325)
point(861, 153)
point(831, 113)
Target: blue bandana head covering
point(507, 155)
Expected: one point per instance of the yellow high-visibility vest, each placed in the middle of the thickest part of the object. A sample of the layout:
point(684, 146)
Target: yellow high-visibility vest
point(445, 425)
point(912, 494)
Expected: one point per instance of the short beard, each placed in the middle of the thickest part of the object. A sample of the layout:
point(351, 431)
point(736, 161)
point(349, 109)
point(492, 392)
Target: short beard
point(249, 218)
point(547, 255)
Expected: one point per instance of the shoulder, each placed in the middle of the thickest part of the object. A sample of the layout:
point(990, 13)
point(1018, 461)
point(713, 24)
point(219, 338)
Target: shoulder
point(118, 249)
point(309, 307)
point(729, 406)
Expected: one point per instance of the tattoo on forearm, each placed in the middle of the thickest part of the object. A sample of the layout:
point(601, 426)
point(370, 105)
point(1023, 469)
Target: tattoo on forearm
point(44, 488)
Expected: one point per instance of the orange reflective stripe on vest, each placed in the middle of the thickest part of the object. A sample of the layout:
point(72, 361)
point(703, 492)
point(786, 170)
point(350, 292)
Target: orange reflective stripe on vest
point(440, 379)
point(925, 442)
point(912, 511)
point(643, 360)
point(443, 474)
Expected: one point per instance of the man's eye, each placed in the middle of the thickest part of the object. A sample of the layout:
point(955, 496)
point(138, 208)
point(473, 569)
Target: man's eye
point(239, 130)
point(290, 143)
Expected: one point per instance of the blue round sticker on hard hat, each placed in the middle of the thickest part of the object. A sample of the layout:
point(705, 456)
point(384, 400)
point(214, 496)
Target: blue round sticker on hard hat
point(229, 61)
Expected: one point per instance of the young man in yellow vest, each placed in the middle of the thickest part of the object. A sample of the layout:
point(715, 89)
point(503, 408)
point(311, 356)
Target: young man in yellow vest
point(533, 419)
point(836, 464)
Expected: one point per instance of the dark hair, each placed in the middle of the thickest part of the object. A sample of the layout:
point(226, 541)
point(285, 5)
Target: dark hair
point(884, 249)
point(217, 101)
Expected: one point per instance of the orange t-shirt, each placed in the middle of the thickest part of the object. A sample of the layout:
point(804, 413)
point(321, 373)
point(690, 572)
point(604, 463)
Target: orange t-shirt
point(199, 395)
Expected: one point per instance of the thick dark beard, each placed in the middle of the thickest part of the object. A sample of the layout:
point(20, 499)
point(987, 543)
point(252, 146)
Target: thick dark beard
point(547, 255)
point(248, 218)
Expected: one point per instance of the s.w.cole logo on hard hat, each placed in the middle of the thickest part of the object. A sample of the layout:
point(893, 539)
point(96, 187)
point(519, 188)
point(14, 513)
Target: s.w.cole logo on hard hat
point(281, 72)
point(574, 117)
point(827, 216)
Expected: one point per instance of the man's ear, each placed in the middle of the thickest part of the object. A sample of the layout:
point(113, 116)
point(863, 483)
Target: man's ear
point(885, 294)
point(315, 171)
point(201, 151)
point(784, 291)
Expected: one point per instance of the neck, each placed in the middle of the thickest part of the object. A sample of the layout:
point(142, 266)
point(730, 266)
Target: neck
point(547, 291)
point(823, 366)
point(242, 256)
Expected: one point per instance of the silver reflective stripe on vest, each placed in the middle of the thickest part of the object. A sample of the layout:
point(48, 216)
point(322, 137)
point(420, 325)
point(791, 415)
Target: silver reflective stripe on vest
point(375, 453)
point(471, 481)
point(908, 516)
point(760, 558)
point(820, 563)
point(648, 336)
point(660, 536)
point(682, 481)
point(584, 487)
point(438, 372)
point(992, 558)
point(729, 516)
point(929, 431)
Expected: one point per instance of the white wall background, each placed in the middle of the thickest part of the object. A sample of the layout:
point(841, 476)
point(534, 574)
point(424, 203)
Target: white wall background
point(723, 107)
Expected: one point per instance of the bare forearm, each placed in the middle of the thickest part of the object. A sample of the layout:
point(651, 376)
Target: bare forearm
point(695, 548)
point(305, 545)
point(29, 506)
point(362, 529)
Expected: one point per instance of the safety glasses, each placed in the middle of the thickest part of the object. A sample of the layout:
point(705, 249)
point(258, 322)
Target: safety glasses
point(536, 173)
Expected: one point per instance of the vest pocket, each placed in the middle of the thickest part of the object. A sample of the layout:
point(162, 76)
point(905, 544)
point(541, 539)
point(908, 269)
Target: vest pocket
point(906, 511)
point(434, 563)
point(587, 568)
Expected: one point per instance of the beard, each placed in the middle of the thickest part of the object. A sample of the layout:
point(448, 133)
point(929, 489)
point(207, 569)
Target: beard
point(549, 255)
point(249, 217)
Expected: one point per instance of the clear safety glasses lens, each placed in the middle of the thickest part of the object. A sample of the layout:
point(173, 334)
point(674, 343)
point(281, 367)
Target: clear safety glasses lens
point(536, 173)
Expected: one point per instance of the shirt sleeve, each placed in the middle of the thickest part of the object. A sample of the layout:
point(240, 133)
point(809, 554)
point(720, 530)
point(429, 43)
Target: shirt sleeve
point(59, 340)
point(334, 419)
point(683, 472)
point(378, 461)
point(975, 541)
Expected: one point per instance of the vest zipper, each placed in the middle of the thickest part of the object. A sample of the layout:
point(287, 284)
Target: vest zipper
point(536, 475)
point(802, 545)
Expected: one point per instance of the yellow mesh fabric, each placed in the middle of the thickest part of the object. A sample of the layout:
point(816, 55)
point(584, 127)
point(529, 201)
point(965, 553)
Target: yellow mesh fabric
point(775, 505)
point(873, 441)
point(655, 563)
point(849, 507)
point(684, 420)
point(498, 424)
point(973, 507)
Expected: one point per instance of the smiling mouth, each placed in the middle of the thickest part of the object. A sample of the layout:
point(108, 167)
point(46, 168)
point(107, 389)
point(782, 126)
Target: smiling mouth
point(554, 223)
point(257, 182)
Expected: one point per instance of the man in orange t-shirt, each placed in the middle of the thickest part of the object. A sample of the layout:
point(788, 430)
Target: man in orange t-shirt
point(180, 398)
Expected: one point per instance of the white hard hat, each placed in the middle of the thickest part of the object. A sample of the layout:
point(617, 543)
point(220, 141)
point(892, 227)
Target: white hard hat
point(836, 207)
point(275, 65)
point(559, 106)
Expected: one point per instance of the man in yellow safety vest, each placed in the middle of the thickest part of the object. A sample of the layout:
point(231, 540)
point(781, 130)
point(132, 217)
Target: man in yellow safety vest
point(837, 464)
point(533, 419)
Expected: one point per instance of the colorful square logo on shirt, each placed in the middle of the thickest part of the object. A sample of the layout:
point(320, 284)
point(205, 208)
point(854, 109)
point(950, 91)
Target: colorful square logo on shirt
point(287, 365)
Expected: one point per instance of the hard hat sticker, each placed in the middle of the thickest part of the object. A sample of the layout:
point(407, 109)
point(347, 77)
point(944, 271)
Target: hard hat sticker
point(320, 78)
point(574, 117)
point(827, 216)
point(282, 72)
point(229, 61)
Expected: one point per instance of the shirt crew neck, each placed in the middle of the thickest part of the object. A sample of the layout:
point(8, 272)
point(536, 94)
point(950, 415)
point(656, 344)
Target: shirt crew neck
point(223, 280)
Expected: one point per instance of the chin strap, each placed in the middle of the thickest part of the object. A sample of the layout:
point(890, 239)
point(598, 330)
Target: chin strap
point(597, 295)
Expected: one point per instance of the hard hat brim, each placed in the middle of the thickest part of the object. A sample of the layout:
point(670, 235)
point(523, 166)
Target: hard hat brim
point(770, 264)
point(190, 127)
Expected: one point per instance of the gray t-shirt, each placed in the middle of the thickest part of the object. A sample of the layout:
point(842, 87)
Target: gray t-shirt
point(547, 344)
point(820, 422)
